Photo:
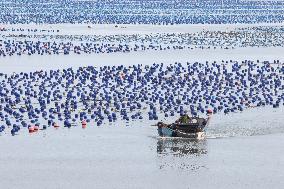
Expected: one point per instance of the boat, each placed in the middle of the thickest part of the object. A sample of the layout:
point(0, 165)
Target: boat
point(192, 128)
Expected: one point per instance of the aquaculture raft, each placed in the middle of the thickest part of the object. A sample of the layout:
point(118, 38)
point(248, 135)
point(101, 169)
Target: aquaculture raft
point(193, 129)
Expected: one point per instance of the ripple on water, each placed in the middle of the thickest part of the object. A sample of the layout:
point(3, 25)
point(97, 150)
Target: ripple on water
point(252, 122)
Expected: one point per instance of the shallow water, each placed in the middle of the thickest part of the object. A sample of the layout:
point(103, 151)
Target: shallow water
point(34, 63)
point(119, 156)
point(252, 122)
point(241, 150)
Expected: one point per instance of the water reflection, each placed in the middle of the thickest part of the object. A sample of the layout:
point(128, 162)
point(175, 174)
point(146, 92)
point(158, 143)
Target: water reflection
point(181, 153)
point(181, 147)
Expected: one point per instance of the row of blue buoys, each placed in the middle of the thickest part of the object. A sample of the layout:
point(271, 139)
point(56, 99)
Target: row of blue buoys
point(118, 93)
point(142, 12)
point(129, 43)
point(29, 30)
point(30, 49)
point(11, 49)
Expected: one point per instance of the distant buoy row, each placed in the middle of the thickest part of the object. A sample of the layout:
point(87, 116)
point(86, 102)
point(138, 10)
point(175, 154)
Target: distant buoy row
point(98, 44)
point(143, 12)
point(96, 96)
point(32, 30)
point(8, 49)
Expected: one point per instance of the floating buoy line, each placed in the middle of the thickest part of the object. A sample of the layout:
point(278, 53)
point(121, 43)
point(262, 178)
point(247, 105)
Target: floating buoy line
point(99, 95)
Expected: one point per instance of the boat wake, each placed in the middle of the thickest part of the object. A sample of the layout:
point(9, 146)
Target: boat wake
point(262, 121)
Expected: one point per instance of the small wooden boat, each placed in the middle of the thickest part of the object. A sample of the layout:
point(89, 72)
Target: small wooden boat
point(193, 128)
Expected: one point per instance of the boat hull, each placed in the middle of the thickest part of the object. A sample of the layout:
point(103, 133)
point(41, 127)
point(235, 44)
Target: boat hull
point(167, 132)
point(197, 135)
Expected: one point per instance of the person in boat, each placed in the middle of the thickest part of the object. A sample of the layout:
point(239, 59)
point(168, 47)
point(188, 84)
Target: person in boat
point(184, 119)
